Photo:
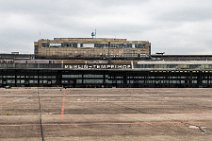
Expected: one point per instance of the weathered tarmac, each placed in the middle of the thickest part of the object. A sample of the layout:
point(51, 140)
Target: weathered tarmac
point(105, 114)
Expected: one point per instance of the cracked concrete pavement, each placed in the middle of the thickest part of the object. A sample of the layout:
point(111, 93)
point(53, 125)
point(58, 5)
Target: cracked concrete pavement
point(55, 114)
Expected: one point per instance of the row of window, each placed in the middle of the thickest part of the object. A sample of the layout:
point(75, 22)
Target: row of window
point(22, 81)
point(160, 82)
point(180, 66)
point(13, 65)
point(101, 81)
point(99, 76)
point(163, 77)
point(80, 76)
point(114, 45)
point(137, 66)
point(75, 45)
point(27, 76)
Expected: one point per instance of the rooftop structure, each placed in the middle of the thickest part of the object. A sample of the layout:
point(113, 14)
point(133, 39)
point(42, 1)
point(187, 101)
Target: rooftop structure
point(91, 48)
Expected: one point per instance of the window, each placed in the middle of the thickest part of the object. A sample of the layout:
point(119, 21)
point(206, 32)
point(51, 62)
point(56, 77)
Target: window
point(100, 45)
point(72, 76)
point(93, 81)
point(93, 76)
point(79, 81)
point(73, 45)
point(139, 46)
point(10, 81)
point(45, 44)
point(120, 82)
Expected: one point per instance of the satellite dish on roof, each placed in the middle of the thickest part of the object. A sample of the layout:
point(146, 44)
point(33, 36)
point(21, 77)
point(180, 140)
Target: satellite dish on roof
point(93, 34)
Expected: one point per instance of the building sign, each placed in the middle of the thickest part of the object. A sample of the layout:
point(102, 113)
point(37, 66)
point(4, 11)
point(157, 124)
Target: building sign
point(98, 66)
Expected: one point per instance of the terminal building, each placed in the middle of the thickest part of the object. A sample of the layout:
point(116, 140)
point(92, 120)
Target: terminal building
point(100, 63)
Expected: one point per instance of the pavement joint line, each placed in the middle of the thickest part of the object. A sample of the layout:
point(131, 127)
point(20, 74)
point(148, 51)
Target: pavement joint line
point(201, 129)
point(97, 123)
point(40, 117)
point(128, 108)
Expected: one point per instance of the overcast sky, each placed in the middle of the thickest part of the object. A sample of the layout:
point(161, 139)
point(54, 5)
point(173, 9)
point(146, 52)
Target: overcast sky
point(172, 26)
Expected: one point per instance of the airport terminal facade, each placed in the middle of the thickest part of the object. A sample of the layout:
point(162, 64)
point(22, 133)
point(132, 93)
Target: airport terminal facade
point(83, 62)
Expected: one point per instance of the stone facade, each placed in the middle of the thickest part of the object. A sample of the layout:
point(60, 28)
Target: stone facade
point(88, 47)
